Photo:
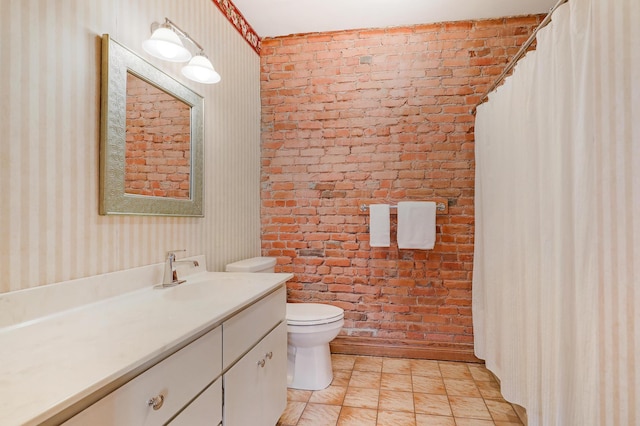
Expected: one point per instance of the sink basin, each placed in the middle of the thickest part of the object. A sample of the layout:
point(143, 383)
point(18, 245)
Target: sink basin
point(185, 292)
point(202, 288)
point(212, 287)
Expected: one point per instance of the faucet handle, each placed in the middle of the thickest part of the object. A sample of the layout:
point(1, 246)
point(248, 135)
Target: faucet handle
point(172, 253)
point(170, 275)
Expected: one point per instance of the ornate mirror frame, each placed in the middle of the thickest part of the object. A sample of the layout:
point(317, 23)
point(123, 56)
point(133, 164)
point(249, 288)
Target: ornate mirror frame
point(117, 61)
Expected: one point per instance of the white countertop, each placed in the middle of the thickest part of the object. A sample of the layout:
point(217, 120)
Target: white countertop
point(51, 363)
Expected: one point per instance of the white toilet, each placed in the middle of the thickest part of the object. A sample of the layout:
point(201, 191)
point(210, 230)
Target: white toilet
point(310, 328)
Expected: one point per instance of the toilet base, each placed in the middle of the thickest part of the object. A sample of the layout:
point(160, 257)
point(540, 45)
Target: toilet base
point(309, 368)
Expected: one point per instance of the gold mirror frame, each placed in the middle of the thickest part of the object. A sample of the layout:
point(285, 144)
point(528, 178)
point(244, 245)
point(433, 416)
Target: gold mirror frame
point(117, 61)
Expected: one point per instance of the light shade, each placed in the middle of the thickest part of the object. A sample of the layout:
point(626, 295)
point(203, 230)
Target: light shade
point(165, 44)
point(200, 69)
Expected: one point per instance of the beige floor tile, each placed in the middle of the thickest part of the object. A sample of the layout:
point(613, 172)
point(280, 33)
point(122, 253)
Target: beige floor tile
point(351, 416)
point(298, 395)
point(501, 411)
point(395, 401)
point(396, 366)
point(429, 420)
point(400, 382)
point(432, 404)
point(425, 367)
point(292, 413)
point(362, 397)
point(319, 415)
point(425, 384)
point(368, 391)
point(365, 379)
point(466, 407)
point(333, 395)
point(368, 363)
point(461, 387)
point(473, 422)
point(455, 370)
point(342, 362)
point(489, 390)
point(396, 418)
point(341, 377)
point(480, 373)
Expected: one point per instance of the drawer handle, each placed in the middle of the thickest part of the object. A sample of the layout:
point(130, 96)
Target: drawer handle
point(261, 363)
point(269, 355)
point(156, 402)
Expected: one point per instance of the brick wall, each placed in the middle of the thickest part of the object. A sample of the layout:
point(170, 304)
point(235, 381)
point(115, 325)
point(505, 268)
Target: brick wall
point(158, 142)
point(377, 116)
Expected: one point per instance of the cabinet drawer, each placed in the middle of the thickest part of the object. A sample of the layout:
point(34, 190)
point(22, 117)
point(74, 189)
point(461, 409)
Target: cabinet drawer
point(176, 379)
point(205, 410)
point(249, 326)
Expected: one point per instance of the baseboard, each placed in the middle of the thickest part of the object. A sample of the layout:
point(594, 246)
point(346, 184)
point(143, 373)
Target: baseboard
point(402, 349)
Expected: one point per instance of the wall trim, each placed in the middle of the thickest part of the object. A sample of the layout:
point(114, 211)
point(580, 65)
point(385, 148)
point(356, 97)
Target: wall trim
point(370, 346)
point(234, 16)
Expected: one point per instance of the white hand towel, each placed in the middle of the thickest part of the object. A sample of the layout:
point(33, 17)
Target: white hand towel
point(379, 225)
point(416, 225)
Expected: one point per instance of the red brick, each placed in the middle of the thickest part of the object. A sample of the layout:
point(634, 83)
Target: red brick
point(380, 115)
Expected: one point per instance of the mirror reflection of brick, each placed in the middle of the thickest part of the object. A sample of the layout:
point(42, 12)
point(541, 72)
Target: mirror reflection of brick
point(158, 142)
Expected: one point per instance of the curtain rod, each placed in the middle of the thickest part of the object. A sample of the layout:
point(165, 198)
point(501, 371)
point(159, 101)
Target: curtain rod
point(518, 55)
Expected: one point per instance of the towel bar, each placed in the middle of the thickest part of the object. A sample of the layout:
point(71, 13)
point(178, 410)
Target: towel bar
point(440, 207)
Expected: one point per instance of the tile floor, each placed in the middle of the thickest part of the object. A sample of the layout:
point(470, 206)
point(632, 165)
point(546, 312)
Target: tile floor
point(404, 392)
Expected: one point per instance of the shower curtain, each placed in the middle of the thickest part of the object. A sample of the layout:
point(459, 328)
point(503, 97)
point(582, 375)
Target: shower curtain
point(556, 281)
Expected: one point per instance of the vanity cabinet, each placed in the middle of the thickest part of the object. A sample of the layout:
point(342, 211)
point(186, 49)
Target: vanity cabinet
point(157, 395)
point(255, 349)
point(234, 375)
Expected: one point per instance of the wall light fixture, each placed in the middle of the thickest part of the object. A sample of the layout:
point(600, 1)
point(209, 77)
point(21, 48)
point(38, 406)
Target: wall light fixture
point(166, 43)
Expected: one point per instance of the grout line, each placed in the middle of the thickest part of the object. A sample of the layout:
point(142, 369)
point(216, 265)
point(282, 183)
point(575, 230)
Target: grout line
point(413, 391)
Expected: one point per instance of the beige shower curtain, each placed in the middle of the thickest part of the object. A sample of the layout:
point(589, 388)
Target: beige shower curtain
point(556, 286)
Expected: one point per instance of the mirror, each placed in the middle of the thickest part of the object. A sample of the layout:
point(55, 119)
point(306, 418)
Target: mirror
point(151, 141)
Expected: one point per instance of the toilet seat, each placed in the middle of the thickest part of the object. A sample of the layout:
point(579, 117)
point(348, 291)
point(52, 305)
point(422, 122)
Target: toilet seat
point(306, 314)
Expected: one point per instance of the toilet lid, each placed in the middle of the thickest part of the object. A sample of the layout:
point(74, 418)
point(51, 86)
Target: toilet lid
point(312, 313)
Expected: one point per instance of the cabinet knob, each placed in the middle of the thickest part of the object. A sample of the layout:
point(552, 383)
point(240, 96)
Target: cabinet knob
point(269, 355)
point(261, 363)
point(156, 402)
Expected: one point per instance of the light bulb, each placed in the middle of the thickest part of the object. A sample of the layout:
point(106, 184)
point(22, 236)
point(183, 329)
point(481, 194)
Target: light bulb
point(168, 50)
point(165, 44)
point(200, 69)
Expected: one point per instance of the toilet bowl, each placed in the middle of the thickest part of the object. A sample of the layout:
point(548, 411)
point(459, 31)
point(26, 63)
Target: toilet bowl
point(310, 328)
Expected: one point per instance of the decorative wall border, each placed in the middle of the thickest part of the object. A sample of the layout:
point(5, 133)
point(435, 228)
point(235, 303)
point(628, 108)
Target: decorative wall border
point(235, 17)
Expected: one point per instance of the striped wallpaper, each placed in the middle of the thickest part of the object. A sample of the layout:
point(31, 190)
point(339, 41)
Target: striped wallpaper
point(50, 230)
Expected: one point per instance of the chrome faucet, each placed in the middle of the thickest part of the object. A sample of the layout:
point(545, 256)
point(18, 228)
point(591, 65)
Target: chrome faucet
point(170, 277)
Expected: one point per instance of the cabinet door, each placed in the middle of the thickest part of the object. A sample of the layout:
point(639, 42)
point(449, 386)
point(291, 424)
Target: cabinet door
point(274, 380)
point(255, 388)
point(206, 410)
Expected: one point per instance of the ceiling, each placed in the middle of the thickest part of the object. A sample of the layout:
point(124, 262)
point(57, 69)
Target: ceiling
point(271, 18)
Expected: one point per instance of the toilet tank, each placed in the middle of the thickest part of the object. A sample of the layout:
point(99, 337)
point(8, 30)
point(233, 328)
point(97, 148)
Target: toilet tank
point(255, 264)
